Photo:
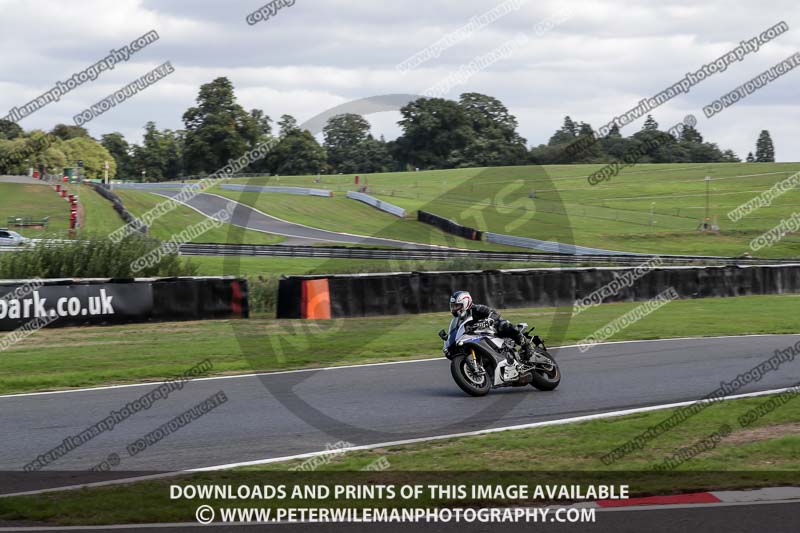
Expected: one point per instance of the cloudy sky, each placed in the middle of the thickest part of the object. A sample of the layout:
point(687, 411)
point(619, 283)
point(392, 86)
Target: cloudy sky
point(599, 58)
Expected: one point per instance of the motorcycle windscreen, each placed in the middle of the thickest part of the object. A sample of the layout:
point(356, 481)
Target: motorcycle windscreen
point(456, 329)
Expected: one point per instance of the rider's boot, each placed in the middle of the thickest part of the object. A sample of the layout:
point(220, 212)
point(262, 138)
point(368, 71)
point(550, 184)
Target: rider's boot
point(525, 349)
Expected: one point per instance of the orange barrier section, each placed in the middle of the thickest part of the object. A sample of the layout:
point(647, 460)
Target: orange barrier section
point(316, 299)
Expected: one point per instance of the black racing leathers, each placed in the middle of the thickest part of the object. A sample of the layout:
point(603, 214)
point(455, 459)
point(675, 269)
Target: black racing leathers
point(503, 327)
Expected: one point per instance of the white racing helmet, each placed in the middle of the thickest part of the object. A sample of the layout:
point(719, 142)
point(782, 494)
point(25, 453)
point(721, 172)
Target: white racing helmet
point(460, 304)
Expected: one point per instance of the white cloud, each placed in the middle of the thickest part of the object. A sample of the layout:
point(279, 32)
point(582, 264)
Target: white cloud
point(315, 55)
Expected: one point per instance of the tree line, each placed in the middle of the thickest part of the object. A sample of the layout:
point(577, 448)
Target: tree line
point(477, 130)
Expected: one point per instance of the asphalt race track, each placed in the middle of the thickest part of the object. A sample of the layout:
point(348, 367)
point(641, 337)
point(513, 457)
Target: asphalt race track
point(283, 414)
point(247, 217)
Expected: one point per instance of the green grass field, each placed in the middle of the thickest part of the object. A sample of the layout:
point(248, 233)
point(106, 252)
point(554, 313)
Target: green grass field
point(348, 216)
point(165, 227)
point(613, 215)
point(647, 208)
point(99, 215)
point(77, 357)
point(36, 201)
point(277, 266)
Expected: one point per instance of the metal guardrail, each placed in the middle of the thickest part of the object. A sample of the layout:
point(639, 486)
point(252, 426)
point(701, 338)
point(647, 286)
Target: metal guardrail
point(341, 252)
point(378, 204)
point(304, 191)
point(549, 246)
point(267, 250)
point(153, 186)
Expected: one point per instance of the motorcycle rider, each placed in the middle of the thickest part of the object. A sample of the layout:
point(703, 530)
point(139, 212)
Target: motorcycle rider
point(461, 306)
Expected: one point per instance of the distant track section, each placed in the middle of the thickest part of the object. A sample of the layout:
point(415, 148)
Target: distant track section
point(266, 250)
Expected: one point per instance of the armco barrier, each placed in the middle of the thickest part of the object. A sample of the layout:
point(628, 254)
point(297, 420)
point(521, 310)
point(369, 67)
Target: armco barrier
point(378, 204)
point(304, 191)
point(119, 207)
point(156, 185)
point(449, 226)
point(426, 292)
point(548, 246)
point(120, 301)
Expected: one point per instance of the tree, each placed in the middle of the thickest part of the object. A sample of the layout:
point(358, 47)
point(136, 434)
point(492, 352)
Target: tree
point(298, 153)
point(160, 156)
point(750, 157)
point(345, 137)
point(262, 121)
point(495, 140)
point(218, 129)
point(765, 151)
point(93, 155)
point(569, 127)
point(729, 156)
point(10, 160)
point(433, 128)
point(375, 156)
point(594, 151)
point(52, 161)
point(613, 132)
point(287, 124)
point(120, 150)
point(10, 130)
point(650, 123)
point(565, 135)
point(690, 134)
point(65, 132)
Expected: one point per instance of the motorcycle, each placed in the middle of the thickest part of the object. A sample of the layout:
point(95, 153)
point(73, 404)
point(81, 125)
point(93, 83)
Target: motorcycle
point(480, 361)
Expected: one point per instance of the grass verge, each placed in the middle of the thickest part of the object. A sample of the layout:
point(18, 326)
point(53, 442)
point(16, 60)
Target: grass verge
point(765, 453)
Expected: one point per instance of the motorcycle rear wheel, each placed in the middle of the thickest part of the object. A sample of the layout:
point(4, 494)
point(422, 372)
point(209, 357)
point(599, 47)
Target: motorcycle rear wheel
point(467, 380)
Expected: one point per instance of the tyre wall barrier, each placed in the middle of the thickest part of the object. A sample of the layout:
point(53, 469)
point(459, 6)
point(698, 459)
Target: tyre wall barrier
point(378, 204)
point(427, 292)
point(68, 302)
point(448, 226)
point(119, 207)
point(285, 190)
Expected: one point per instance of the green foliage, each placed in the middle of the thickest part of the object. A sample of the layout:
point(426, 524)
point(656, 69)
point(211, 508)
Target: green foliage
point(161, 155)
point(91, 257)
point(433, 129)
point(765, 151)
point(650, 123)
point(10, 130)
point(92, 153)
point(495, 141)
point(65, 132)
point(218, 129)
point(52, 160)
point(262, 294)
point(345, 138)
point(120, 150)
point(298, 153)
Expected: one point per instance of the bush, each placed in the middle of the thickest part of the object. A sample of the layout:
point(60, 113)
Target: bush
point(263, 294)
point(92, 257)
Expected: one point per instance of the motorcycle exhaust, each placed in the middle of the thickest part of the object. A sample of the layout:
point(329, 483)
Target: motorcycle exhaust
point(524, 379)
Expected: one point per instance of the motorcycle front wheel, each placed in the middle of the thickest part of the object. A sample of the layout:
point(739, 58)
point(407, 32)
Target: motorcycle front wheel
point(546, 377)
point(470, 382)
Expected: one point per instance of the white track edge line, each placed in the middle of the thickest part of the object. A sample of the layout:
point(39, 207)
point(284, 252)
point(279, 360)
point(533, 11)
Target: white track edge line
point(404, 442)
point(364, 365)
